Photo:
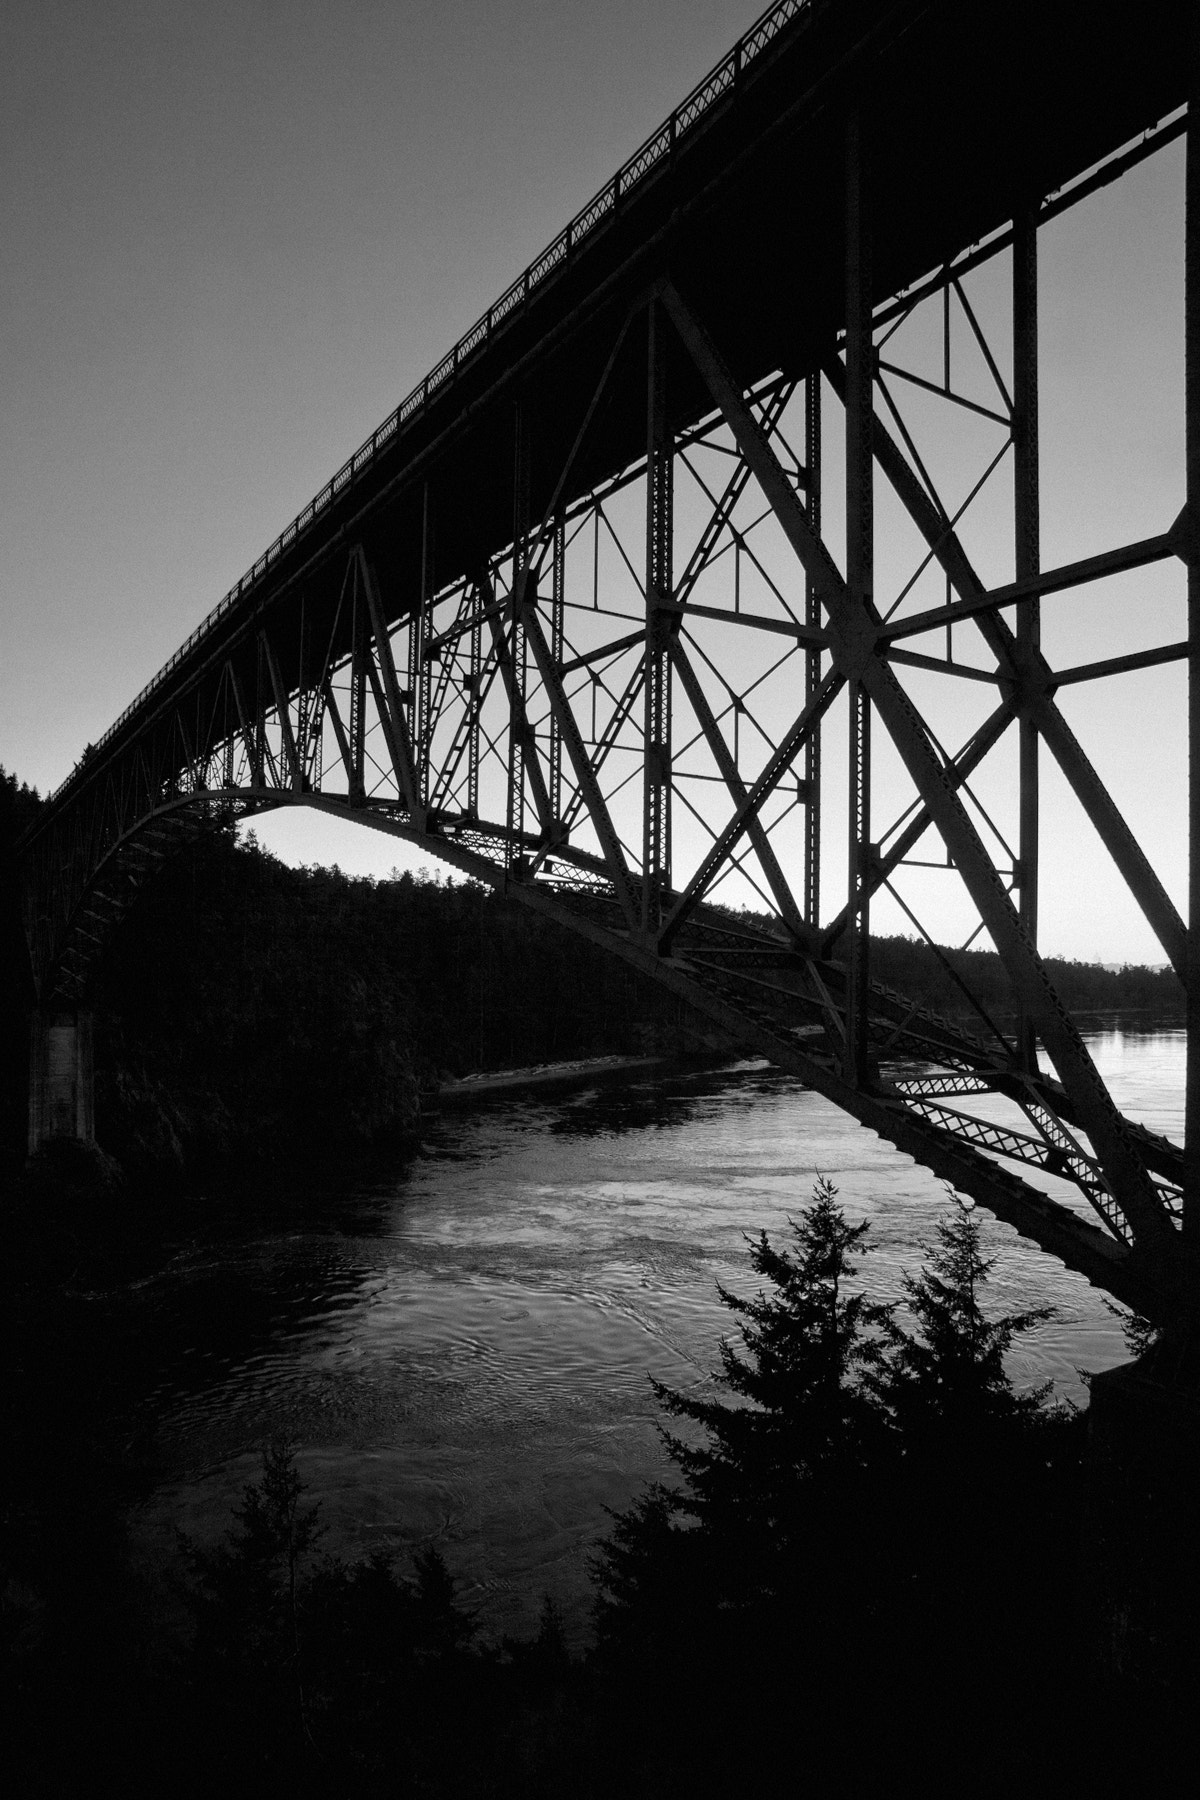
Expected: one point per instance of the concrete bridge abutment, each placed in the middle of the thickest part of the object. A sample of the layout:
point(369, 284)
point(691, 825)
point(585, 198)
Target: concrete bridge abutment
point(60, 1077)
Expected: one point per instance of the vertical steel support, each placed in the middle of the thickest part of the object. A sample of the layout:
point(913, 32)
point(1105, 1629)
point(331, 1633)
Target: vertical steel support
point(656, 770)
point(517, 720)
point(316, 762)
point(359, 640)
point(522, 735)
point(859, 581)
point(558, 597)
point(200, 761)
point(389, 705)
point(812, 660)
point(1027, 526)
point(259, 723)
point(1191, 1200)
point(303, 703)
point(475, 696)
point(412, 677)
point(288, 769)
point(422, 673)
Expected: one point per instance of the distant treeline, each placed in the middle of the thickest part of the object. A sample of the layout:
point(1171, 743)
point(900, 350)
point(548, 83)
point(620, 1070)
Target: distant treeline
point(247, 1012)
point(922, 973)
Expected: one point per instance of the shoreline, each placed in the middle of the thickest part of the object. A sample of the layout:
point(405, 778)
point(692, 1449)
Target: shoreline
point(464, 1089)
point(500, 1081)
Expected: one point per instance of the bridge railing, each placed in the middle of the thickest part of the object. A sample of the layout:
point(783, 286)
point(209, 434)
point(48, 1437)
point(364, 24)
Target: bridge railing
point(656, 149)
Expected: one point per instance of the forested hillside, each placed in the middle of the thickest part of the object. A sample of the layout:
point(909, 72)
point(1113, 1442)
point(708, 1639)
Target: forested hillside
point(915, 969)
point(248, 1011)
point(249, 1014)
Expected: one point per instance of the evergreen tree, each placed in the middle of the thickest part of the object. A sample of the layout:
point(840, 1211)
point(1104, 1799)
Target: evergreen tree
point(946, 1380)
point(1141, 1335)
point(299, 1663)
point(773, 1465)
point(983, 1502)
point(246, 1593)
point(19, 807)
point(798, 1374)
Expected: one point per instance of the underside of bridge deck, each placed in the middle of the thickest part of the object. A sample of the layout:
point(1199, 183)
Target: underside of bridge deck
point(696, 599)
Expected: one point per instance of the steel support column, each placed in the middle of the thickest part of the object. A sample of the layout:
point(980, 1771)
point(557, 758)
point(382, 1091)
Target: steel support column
point(1027, 524)
point(391, 706)
point(421, 672)
point(518, 734)
point(513, 677)
point(812, 659)
point(1191, 1200)
point(360, 628)
point(656, 763)
point(475, 697)
point(860, 472)
point(558, 595)
point(304, 700)
point(258, 721)
point(291, 759)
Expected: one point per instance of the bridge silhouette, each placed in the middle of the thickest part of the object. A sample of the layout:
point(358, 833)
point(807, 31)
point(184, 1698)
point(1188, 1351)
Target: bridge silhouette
point(595, 616)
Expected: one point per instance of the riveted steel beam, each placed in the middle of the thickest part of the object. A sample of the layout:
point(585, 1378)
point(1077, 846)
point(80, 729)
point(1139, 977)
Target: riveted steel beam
point(860, 591)
point(656, 729)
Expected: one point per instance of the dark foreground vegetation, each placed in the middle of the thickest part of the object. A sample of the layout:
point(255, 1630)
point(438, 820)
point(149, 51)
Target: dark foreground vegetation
point(868, 1572)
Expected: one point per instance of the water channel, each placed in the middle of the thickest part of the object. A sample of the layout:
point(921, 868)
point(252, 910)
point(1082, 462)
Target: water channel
point(459, 1347)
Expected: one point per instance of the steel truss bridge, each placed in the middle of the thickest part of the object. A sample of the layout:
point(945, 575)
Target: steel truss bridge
point(598, 615)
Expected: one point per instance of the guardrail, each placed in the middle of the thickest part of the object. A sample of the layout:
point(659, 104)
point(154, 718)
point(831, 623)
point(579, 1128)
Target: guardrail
point(603, 206)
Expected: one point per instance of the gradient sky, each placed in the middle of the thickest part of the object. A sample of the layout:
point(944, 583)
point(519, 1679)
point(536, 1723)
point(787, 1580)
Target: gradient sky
point(236, 235)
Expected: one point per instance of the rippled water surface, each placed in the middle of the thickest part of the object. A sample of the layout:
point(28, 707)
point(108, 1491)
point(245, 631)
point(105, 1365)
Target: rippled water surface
point(460, 1352)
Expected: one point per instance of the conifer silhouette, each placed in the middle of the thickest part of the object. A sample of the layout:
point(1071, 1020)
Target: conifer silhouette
point(947, 1378)
point(765, 1469)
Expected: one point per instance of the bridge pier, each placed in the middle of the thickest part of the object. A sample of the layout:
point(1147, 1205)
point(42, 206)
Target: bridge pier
point(60, 1077)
